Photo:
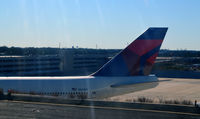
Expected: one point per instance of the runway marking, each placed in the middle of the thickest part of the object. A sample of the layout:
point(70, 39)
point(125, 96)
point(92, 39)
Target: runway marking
point(100, 107)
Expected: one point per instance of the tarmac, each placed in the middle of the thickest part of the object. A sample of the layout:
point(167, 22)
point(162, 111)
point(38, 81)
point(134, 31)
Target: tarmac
point(24, 107)
point(167, 89)
point(42, 110)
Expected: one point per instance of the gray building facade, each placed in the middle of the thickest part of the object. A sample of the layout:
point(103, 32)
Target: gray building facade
point(29, 65)
point(84, 61)
point(69, 62)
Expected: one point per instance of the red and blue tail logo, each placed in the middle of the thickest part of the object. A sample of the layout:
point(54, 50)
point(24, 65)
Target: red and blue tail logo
point(138, 58)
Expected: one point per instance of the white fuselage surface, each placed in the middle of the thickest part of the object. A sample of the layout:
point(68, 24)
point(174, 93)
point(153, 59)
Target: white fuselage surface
point(128, 71)
point(77, 87)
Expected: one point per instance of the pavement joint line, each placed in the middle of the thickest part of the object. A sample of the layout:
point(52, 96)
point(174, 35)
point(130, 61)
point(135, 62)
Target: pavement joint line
point(101, 107)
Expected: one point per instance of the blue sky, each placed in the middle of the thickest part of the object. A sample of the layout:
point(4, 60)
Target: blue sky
point(105, 23)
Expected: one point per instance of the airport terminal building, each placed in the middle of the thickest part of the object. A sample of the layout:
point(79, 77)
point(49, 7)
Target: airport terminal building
point(84, 61)
point(29, 65)
point(67, 63)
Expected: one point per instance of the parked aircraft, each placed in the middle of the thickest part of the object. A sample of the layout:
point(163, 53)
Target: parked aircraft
point(128, 71)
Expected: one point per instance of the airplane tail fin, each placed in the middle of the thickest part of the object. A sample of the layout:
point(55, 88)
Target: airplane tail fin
point(137, 58)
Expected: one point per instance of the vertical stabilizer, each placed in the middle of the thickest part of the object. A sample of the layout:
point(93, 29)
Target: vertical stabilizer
point(138, 58)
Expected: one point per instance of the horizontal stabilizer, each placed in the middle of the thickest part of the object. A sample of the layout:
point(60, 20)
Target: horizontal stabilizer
point(136, 80)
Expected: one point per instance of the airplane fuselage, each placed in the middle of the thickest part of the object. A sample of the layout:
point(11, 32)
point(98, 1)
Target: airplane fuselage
point(121, 71)
point(74, 87)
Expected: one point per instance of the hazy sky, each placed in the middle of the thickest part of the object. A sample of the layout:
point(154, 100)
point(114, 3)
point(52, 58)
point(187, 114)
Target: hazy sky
point(107, 23)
